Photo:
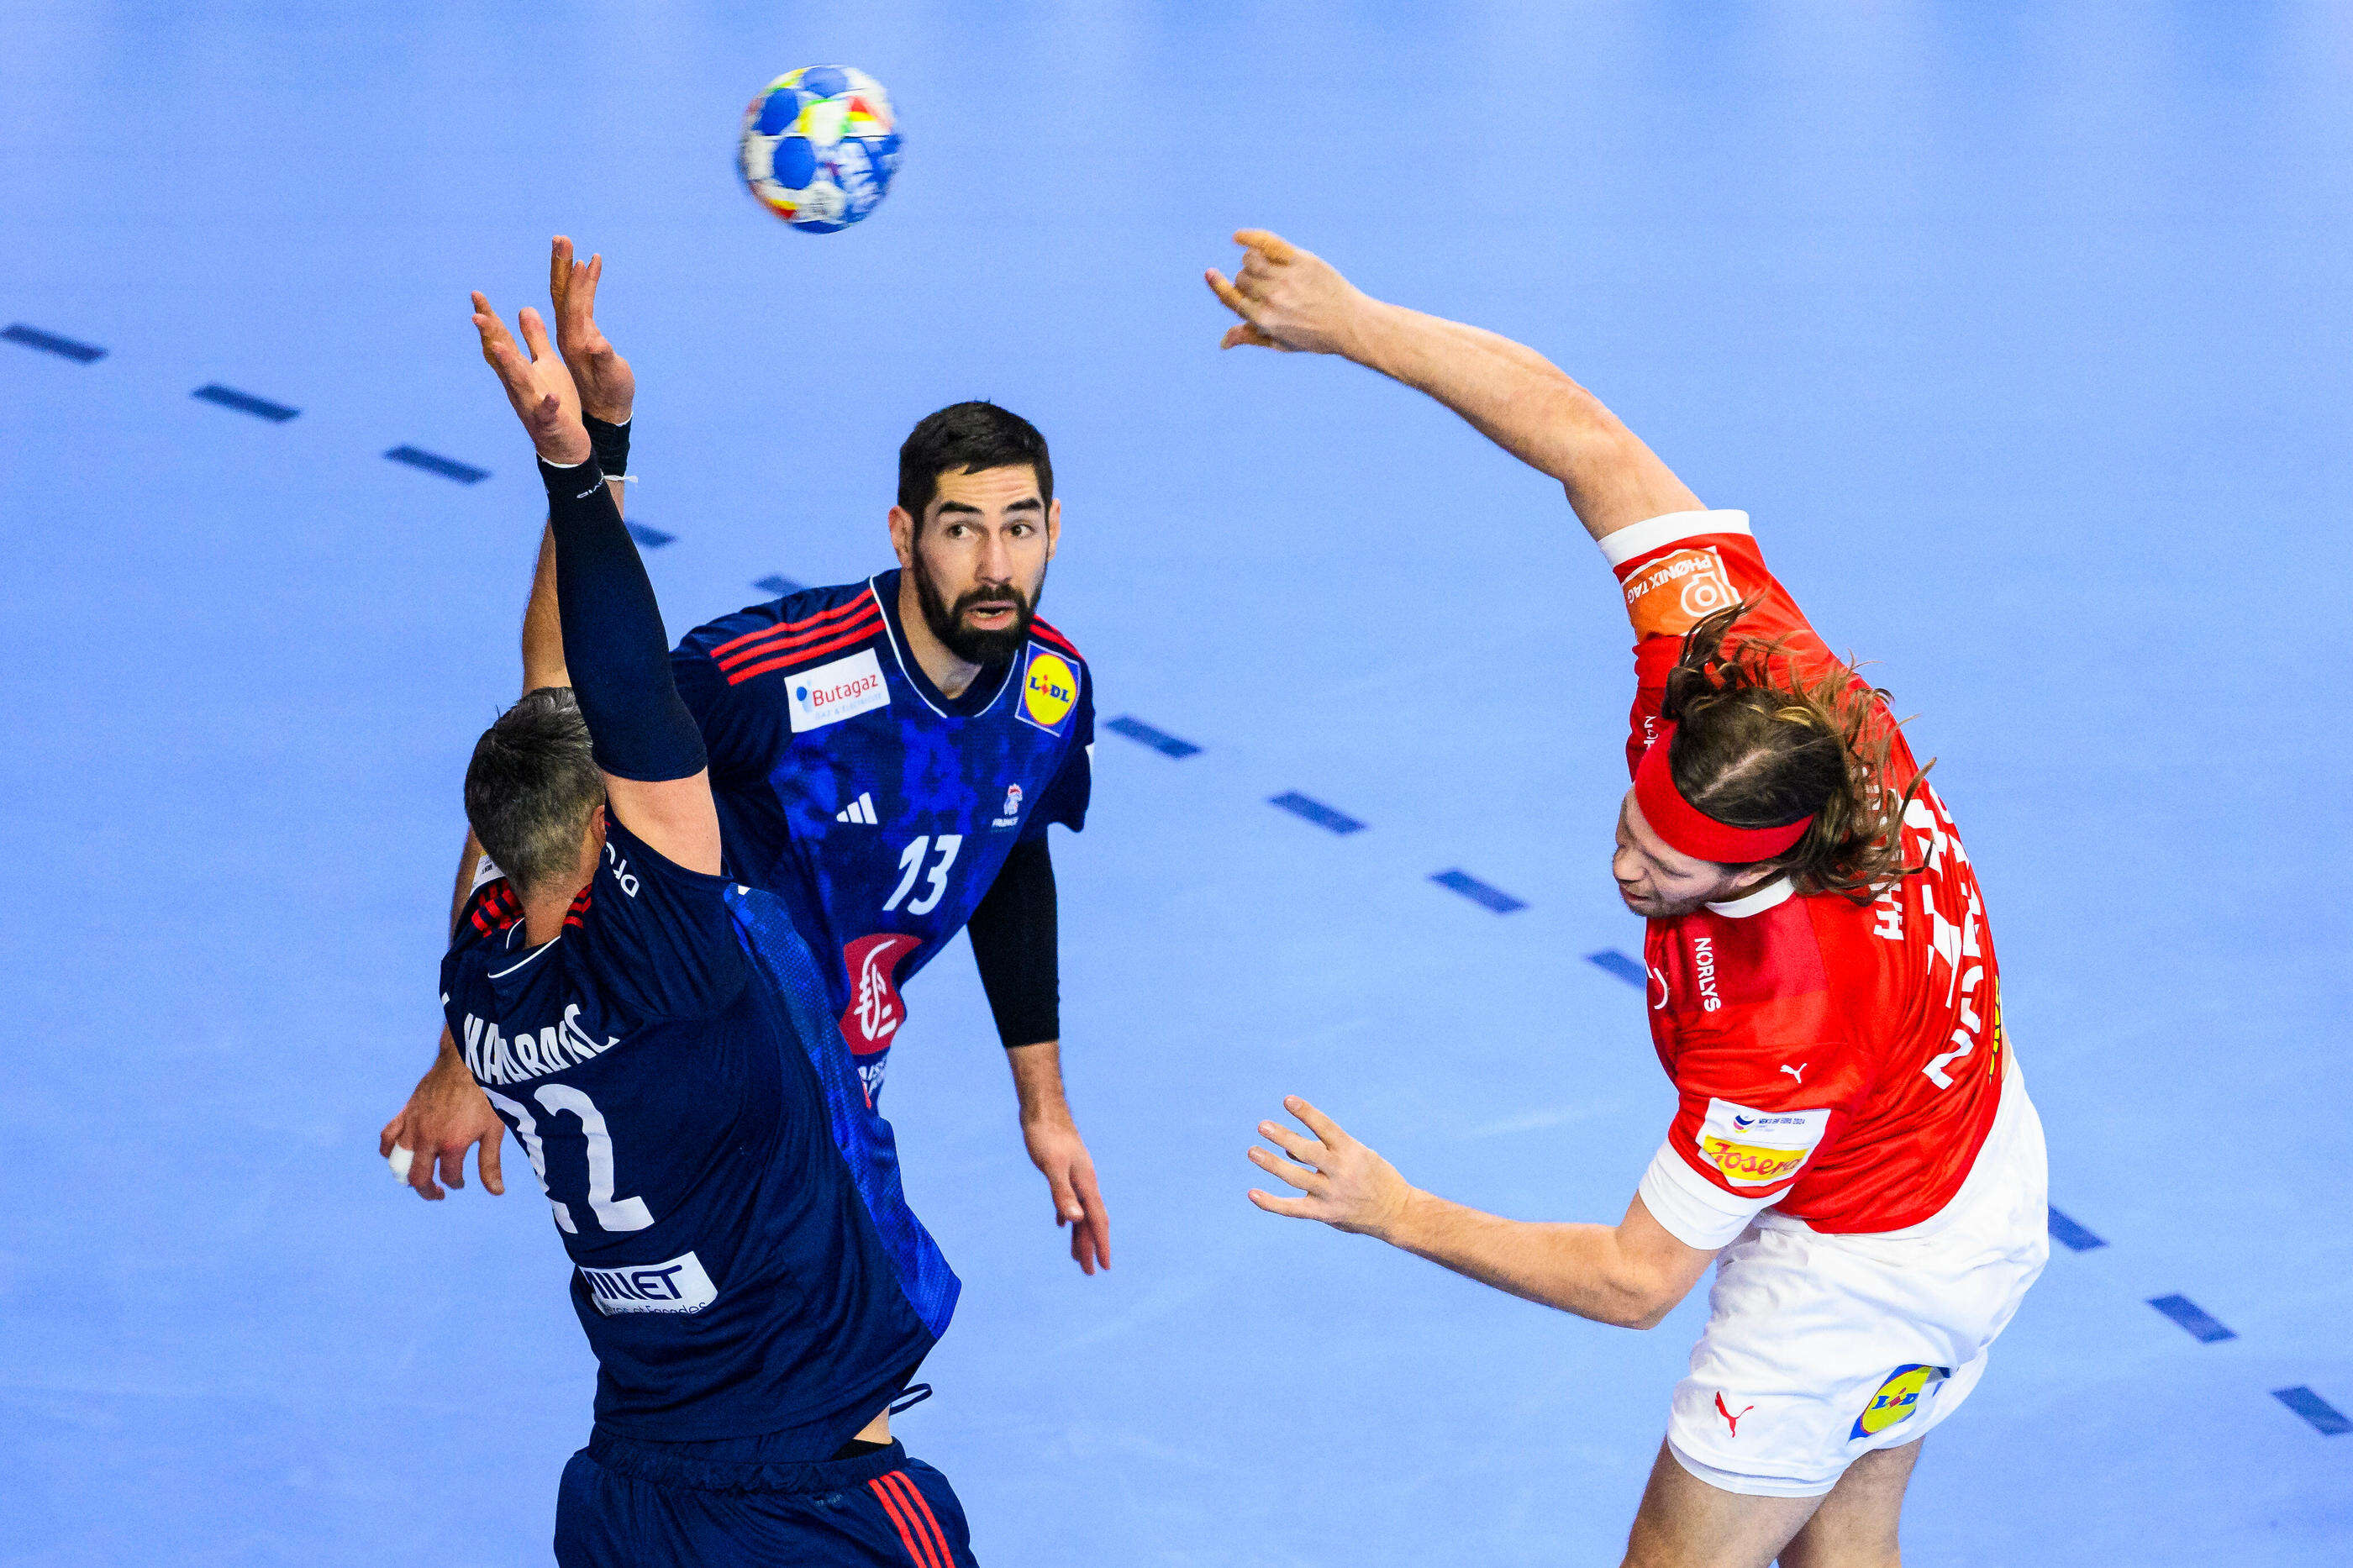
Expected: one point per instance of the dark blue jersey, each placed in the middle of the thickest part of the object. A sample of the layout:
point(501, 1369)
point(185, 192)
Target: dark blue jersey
point(876, 810)
point(744, 1261)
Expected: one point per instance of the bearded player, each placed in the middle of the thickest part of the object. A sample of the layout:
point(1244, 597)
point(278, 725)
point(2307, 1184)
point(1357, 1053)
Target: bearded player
point(887, 756)
point(1854, 1146)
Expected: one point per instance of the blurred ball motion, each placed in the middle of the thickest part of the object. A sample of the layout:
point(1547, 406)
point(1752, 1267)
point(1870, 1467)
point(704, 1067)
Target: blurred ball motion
point(819, 146)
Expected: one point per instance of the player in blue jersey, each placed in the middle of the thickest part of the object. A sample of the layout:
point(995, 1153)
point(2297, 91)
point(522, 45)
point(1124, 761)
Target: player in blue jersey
point(887, 756)
point(750, 1279)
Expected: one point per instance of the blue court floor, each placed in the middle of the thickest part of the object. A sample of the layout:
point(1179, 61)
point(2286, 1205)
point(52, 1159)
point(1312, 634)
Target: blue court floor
point(2022, 332)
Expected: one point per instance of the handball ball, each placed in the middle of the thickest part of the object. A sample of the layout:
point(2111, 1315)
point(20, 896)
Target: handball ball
point(819, 147)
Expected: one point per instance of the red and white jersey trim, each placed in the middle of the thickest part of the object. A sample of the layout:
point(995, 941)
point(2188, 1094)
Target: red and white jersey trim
point(1658, 532)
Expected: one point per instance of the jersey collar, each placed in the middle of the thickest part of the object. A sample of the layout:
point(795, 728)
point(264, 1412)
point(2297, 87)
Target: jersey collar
point(1773, 893)
point(985, 687)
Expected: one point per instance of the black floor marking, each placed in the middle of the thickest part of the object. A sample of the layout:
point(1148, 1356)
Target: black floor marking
point(1160, 741)
point(245, 402)
point(651, 538)
point(1478, 892)
point(779, 586)
point(2325, 1418)
point(2071, 1236)
point(2186, 1312)
point(33, 338)
point(1612, 962)
point(1316, 811)
point(447, 468)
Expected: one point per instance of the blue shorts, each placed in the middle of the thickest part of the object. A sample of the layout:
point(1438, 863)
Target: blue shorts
point(635, 1505)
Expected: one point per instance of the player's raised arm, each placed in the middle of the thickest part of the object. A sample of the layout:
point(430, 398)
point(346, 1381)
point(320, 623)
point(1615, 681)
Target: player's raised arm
point(614, 648)
point(1291, 300)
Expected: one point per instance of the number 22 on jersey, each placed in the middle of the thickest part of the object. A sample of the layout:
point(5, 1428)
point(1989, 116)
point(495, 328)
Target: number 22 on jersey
point(612, 1214)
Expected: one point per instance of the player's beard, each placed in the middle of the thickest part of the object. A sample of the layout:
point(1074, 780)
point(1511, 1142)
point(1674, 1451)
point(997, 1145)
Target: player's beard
point(977, 644)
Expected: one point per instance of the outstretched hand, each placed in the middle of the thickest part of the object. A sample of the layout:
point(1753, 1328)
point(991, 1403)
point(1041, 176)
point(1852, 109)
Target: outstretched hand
point(1346, 1185)
point(540, 387)
point(608, 388)
point(1288, 299)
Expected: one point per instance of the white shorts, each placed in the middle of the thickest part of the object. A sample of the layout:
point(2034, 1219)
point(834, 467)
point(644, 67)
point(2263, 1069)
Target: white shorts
point(1819, 1348)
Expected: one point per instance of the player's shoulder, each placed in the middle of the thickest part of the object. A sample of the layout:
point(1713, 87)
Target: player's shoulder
point(1054, 639)
point(801, 627)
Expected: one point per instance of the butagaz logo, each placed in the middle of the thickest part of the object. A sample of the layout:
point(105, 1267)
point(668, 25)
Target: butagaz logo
point(1753, 1148)
point(860, 810)
point(1704, 966)
point(875, 1012)
point(677, 1286)
point(1897, 1399)
point(842, 689)
point(1011, 812)
point(1049, 689)
point(1676, 592)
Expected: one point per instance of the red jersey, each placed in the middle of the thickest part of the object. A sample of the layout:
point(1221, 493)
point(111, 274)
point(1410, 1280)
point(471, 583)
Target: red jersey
point(1839, 1062)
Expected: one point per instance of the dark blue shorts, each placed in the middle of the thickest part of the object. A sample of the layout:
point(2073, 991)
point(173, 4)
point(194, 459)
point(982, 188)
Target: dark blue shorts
point(638, 1505)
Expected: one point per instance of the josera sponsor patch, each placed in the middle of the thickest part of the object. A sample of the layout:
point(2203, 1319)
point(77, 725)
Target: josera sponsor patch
point(1752, 1148)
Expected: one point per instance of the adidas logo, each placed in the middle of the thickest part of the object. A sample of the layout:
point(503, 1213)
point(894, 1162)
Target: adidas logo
point(858, 810)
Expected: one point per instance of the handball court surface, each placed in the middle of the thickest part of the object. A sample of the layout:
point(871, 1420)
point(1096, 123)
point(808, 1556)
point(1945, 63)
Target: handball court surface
point(2021, 331)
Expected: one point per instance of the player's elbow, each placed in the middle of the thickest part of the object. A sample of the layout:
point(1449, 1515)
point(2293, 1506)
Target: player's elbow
point(1643, 1301)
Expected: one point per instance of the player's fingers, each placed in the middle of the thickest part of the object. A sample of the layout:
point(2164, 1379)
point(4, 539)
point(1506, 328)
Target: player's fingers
point(1098, 1220)
point(588, 278)
point(559, 271)
point(1067, 1208)
point(492, 1180)
point(1228, 295)
point(420, 1175)
point(534, 333)
point(1307, 1151)
point(1294, 1208)
point(1242, 334)
point(389, 1136)
point(453, 1163)
point(1267, 243)
point(1299, 1176)
point(1323, 1126)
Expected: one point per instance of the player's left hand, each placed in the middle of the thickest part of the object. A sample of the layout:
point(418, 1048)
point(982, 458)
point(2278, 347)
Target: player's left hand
point(608, 387)
point(539, 387)
point(1346, 1185)
point(1288, 299)
point(1061, 1157)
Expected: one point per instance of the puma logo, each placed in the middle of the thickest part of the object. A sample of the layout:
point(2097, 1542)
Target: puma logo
point(1730, 1418)
point(1797, 1073)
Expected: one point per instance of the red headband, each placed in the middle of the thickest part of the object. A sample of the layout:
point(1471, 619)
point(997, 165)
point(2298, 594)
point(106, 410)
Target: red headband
point(1687, 829)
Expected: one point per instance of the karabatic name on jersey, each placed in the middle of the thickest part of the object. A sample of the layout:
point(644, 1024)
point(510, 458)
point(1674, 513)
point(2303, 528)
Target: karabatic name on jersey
point(1840, 1062)
point(744, 1261)
point(875, 808)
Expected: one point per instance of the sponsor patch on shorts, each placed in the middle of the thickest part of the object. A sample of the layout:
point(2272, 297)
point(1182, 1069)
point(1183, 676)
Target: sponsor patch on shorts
point(1897, 1399)
point(1753, 1148)
point(677, 1286)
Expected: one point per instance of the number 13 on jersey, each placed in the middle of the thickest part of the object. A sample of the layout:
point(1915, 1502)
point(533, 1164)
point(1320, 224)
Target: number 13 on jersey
point(912, 866)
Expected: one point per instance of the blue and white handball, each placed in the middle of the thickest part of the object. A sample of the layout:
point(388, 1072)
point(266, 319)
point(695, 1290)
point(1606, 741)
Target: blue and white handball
point(819, 147)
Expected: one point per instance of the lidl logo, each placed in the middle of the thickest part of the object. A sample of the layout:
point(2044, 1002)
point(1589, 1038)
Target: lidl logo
point(1049, 689)
point(1897, 1399)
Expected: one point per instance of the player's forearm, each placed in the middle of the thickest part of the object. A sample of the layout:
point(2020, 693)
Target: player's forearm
point(466, 865)
point(543, 624)
point(1579, 1268)
point(1527, 406)
point(1038, 1082)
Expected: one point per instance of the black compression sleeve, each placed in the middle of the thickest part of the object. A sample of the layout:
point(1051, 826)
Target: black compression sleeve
point(1014, 939)
point(610, 443)
point(613, 638)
